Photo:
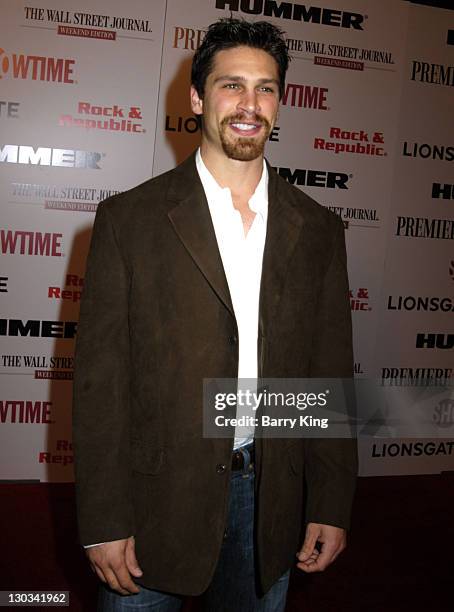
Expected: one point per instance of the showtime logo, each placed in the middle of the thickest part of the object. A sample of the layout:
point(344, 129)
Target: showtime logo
point(420, 304)
point(305, 96)
point(36, 67)
point(25, 411)
point(42, 244)
point(47, 156)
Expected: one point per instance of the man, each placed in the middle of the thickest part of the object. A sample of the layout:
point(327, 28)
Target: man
point(218, 268)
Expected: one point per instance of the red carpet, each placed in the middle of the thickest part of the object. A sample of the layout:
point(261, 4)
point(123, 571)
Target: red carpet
point(399, 558)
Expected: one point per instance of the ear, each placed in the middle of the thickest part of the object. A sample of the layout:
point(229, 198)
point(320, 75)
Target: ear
point(196, 102)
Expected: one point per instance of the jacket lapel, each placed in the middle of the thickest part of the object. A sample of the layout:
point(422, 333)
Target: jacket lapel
point(191, 220)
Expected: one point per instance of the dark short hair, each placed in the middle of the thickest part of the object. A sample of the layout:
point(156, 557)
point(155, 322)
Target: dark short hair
point(227, 33)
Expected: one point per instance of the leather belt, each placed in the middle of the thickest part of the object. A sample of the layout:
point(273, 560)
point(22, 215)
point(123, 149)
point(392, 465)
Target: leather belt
point(238, 458)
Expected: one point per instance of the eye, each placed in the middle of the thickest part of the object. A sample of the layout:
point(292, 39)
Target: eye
point(266, 89)
point(231, 86)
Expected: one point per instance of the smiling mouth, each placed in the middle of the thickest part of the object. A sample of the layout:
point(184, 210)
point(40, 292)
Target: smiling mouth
point(245, 128)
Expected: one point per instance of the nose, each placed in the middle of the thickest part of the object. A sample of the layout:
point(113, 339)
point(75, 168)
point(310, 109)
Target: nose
point(249, 101)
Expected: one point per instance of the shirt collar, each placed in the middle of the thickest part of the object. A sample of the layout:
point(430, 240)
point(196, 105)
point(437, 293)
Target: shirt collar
point(259, 199)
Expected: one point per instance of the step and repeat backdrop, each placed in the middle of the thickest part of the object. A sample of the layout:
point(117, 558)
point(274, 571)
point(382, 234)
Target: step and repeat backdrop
point(94, 99)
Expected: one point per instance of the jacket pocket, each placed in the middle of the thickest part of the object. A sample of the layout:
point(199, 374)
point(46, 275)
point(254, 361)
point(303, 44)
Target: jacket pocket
point(146, 458)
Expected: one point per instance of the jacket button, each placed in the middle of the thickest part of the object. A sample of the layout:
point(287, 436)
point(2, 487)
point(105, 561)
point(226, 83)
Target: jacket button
point(220, 468)
point(233, 339)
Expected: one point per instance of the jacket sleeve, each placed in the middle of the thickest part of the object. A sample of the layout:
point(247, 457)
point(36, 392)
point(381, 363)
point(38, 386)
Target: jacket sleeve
point(101, 391)
point(331, 465)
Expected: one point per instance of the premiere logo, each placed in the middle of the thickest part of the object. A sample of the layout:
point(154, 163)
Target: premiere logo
point(416, 377)
point(36, 67)
point(433, 74)
point(187, 38)
point(422, 227)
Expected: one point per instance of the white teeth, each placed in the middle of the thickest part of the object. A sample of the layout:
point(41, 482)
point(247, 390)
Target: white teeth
point(244, 126)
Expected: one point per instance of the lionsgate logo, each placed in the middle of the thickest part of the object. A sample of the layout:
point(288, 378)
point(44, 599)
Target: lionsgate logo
point(428, 151)
point(420, 304)
point(296, 12)
point(48, 156)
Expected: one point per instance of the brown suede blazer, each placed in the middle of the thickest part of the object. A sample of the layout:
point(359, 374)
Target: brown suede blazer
point(156, 318)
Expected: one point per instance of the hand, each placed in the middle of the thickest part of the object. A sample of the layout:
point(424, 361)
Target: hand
point(114, 562)
point(333, 541)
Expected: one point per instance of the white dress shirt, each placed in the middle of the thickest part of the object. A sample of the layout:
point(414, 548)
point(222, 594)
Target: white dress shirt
point(242, 260)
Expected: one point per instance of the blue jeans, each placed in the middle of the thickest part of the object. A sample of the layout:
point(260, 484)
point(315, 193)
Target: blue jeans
point(233, 587)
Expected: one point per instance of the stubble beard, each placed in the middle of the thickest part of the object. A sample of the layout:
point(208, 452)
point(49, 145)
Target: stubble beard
point(243, 148)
